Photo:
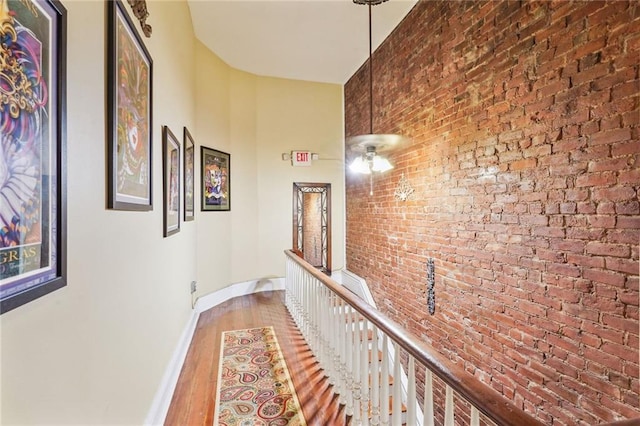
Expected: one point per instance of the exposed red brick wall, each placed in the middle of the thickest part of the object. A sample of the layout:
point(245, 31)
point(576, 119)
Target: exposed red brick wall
point(525, 160)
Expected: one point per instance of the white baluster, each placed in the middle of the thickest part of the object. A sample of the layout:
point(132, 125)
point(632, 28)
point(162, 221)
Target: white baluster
point(428, 399)
point(321, 324)
point(298, 293)
point(324, 320)
point(310, 311)
point(302, 298)
point(331, 342)
point(299, 300)
point(294, 287)
point(364, 367)
point(342, 352)
point(331, 361)
point(316, 316)
point(304, 288)
point(309, 301)
point(338, 340)
point(475, 416)
point(346, 377)
point(411, 393)
point(384, 382)
point(357, 373)
point(290, 284)
point(375, 379)
point(350, 322)
point(336, 348)
point(448, 408)
point(396, 414)
point(287, 287)
point(308, 289)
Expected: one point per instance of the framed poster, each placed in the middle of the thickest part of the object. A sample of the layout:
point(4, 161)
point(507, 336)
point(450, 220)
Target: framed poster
point(215, 169)
point(189, 175)
point(33, 223)
point(129, 121)
point(171, 181)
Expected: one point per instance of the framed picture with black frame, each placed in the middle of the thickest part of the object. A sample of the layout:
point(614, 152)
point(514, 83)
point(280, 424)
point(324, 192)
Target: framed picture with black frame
point(215, 188)
point(129, 114)
point(33, 191)
point(171, 163)
point(189, 176)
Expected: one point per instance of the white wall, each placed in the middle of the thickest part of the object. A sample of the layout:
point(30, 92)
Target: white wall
point(95, 351)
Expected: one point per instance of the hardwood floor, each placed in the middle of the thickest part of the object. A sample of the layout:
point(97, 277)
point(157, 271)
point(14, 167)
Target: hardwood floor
point(194, 398)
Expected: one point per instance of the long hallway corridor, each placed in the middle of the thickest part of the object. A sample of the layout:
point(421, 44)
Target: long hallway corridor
point(194, 398)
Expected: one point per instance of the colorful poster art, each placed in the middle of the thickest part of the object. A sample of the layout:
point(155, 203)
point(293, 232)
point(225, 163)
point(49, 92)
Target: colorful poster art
point(130, 115)
point(32, 51)
point(216, 185)
point(171, 181)
point(189, 177)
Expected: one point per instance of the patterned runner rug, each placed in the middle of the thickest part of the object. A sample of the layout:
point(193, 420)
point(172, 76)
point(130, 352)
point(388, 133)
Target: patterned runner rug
point(254, 385)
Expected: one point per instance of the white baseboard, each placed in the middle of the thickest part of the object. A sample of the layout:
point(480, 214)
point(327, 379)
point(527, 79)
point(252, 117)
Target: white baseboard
point(240, 289)
point(160, 405)
point(162, 399)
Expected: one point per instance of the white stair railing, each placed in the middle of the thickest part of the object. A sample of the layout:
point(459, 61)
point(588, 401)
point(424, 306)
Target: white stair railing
point(351, 340)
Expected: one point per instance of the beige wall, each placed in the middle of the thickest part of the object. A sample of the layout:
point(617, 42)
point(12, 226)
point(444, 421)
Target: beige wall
point(95, 351)
point(264, 118)
point(295, 115)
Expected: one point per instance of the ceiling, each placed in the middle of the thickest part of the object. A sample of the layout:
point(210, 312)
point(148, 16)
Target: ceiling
point(313, 40)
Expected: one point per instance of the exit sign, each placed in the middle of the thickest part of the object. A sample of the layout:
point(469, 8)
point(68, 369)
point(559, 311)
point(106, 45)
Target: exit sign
point(301, 158)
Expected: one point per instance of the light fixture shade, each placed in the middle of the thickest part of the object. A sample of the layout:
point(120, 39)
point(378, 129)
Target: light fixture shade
point(360, 165)
point(381, 142)
point(381, 164)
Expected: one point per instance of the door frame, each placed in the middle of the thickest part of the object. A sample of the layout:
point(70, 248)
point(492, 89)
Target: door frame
point(324, 189)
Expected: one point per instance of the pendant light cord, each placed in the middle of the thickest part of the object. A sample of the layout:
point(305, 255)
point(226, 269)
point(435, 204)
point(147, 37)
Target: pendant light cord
point(370, 95)
point(370, 77)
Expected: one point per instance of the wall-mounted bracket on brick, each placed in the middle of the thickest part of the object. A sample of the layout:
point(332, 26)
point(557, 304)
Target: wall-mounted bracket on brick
point(431, 281)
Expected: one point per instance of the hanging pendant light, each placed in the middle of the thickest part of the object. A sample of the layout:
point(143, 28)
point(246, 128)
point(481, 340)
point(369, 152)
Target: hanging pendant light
point(370, 145)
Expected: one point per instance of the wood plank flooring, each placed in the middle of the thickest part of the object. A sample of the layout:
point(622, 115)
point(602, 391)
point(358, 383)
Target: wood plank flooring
point(194, 398)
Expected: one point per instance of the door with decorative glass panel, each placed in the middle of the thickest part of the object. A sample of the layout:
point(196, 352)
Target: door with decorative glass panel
point(312, 223)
